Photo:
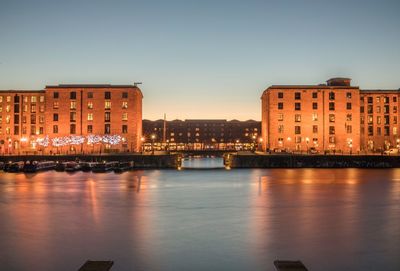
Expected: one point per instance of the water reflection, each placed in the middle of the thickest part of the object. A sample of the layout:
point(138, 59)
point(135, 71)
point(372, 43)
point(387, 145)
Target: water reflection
point(347, 219)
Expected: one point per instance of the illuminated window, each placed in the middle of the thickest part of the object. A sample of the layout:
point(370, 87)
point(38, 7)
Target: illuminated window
point(8, 119)
point(41, 99)
point(332, 139)
point(378, 109)
point(90, 116)
point(8, 130)
point(124, 105)
point(8, 108)
point(72, 105)
point(124, 116)
point(107, 128)
point(55, 105)
point(297, 117)
point(72, 116)
point(8, 99)
point(370, 119)
point(394, 130)
point(41, 119)
point(349, 117)
point(1, 108)
point(25, 108)
point(33, 108)
point(331, 118)
point(55, 129)
point(314, 116)
point(280, 128)
point(107, 104)
point(349, 129)
point(1, 99)
point(378, 120)
point(41, 108)
point(107, 116)
point(33, 99)
point(90, 105)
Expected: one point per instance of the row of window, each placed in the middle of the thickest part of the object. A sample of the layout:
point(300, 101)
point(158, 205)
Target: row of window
point(107, 105)
point(107, 129)
point(72, 95)
point(386, 130)
point(40, 131)
point(386, 100)
point(297, 95)
point(297, 129)
point(386, 119)
point(33, 99)
point(24, 119)
point(299, 139)
point(25, 107)
point(297, 106)
point(386, 109)
point(314, 117)
point(107, 116)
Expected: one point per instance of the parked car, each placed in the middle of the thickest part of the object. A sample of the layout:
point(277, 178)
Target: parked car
point(391, 151)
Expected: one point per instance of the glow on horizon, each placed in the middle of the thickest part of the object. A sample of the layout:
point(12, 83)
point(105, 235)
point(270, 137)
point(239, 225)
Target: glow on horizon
point(199, 59)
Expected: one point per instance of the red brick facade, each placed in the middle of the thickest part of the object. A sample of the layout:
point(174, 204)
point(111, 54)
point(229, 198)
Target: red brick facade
point(329, 117)
point(65, 115)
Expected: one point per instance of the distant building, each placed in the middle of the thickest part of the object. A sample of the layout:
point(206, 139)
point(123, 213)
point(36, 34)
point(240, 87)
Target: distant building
point(202, 133)
point(329, 117)
point(71, 119)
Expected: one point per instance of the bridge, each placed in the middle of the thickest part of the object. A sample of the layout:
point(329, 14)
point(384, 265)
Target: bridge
point(210, 152)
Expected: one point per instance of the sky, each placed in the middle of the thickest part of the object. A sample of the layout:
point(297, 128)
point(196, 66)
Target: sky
point(199, 59)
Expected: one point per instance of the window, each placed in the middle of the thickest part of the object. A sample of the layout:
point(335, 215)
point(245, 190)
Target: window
point(280, 117)
point(386, 109)
point(349, 117)
point(16, 108)
point(378, 99)
point(23, 130)
point(395, 120)
point(124, 105)
point(16, 99)
point(386, 100)
point(55, 105)
point(107, 95)
point(386, 130)
point(394, 109)
point(33, 99)
point(1, 108)
point(331, 130)
point(107, 105)
point(297, 118)
point(55, 117)
point(280, 105)
point(361, 109)
point(33, 119)
point(72, 95)
point(72, 116)
point(314, 105)
point(124, 95)
point(124, 129)
point(378, 120)
point(55, 129)
point(394, 130)
point(90, 95)
point(370, 100)
point(41, 98)
point(331, 118)
point(297, 106)
point(386, 118)
point(90, 129)
point(16, 130)
point(394, 99)
point(33, 108)
point(370, 109)
point(55, 96)
point(124, 116)
point(314, 117)
point(1, 99)
point(73, 105)
point(23, 119)
point(33, 130)
point(297, 95)
point(280, 128)
point(349, 129)
point(315, 95)
point(41, 119)
point(315, 129)
point(378, 131)
point(370, 119)
point(107, 116)
point(370, 130)
point(332, 139)
point(90, 116)
point(297, 139)
point(348, 95)
point(107, 128)
point(41, 130)
point(8, 119)
point(331, 106)
point(297, 130)
point(8, 108)
point(8, 99)
point(348, 106)
point(378, 109)
point(72, 129)
point(90, 105)
point(331, 95)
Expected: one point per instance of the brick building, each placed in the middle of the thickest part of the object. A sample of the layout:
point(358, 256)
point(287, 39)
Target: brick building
point(202, 133)
point(71, 119)
point(329, 117)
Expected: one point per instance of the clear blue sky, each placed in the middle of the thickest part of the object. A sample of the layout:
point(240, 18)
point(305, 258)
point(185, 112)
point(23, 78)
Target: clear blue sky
point(199, 59)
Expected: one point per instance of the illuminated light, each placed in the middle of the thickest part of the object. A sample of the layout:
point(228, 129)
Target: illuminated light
point(153, 136)
point(261, 140)
point(43, 141)
point(24, 139)
point(289, 138)
point(142, 139)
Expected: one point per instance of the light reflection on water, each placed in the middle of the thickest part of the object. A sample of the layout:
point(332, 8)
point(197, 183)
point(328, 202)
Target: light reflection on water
point(331, 219)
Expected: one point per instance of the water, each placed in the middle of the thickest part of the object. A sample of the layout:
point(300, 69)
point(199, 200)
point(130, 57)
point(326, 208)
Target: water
point(339, 219)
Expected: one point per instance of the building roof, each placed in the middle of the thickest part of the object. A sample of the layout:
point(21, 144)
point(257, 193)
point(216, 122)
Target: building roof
point(90, 86)
point(310, 86)
point(380, 91)
point(21, 91)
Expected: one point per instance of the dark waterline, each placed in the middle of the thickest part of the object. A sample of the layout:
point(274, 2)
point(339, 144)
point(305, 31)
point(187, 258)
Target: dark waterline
point(339, 219)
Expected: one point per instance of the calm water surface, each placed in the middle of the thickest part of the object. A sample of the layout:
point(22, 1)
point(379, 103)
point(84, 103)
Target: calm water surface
point(339, 219)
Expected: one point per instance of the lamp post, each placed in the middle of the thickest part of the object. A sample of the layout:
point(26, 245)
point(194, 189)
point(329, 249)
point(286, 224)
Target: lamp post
point(254, 142)
point(260, 140)
point(307, 141)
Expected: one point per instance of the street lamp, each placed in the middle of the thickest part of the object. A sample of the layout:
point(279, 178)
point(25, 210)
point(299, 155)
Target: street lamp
point(153, 137)
point(254, 142)
point(307, 141)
